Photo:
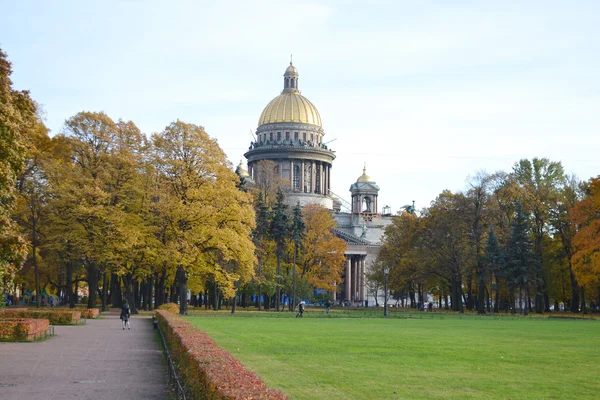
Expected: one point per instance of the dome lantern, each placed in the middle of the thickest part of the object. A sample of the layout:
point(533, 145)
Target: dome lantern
point(290, 79)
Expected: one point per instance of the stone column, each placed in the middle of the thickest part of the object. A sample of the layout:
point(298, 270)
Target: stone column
point(362, 278)
point(313, 175)
point(356, 280)
point(325, 191)
point(322, 173)
point(302, 178)
point(292, 175)
point(349, 279)
point(328, 178)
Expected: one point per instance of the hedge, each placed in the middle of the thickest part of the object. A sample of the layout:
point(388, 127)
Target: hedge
point(56, 316)
point(17, 329)
point(90, 313)
point(207, 371)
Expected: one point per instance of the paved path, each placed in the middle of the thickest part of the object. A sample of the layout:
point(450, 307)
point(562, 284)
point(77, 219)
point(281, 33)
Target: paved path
point(96, 361)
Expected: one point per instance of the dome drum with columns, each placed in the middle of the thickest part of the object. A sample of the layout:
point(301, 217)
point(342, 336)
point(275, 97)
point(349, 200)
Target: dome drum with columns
point(290, 134)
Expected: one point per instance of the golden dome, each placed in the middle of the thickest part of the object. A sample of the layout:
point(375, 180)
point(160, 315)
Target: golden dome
point(364, 177)
point(241, 171)
point(291, 70)
point(290, 107)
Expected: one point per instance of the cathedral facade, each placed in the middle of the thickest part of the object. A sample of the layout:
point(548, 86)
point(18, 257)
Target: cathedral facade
point(290, 134)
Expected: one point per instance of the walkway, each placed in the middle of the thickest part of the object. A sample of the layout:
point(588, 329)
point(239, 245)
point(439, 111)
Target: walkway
point(96, 361)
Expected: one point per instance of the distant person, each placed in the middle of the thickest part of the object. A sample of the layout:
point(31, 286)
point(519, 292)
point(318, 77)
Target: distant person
point(300, 310)
point(125, 315)
point(327, 306)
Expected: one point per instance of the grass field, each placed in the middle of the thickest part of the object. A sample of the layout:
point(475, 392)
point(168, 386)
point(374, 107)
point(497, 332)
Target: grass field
point(446, 357)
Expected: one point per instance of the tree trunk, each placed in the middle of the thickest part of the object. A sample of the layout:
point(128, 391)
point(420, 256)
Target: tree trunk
point(116, 296)
point(233, 305)
point(38, 292)
point(481, 293)
point(129, 294)
point(182, 291)
point(92, 270)
point(136, 294)
point(583, 307)
point(277, 287)
point(574, 292)
point(69, 298)
point(104, 291)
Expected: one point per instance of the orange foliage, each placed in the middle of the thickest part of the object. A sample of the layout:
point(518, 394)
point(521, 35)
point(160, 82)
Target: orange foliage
point(322, 258)
point(586, 243)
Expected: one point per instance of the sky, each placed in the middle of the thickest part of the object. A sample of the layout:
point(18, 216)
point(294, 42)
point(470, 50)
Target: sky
point(426, 93)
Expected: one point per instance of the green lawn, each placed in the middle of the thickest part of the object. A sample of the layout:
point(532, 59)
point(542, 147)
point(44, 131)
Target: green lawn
point(449, 357)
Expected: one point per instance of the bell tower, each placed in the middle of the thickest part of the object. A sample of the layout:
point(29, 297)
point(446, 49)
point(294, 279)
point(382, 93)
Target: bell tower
point(364, 196)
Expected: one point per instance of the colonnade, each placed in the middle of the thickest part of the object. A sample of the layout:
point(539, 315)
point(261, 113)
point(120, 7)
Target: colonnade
point(306, 181)
point(309, 183)
point(355, 279)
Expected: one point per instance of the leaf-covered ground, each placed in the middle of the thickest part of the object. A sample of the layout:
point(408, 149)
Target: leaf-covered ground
point(450, 358)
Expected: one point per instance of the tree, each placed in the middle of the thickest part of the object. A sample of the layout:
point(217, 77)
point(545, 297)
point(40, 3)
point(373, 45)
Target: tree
point(585, 260)
point(539, 180)
point(494, 262)
point(521, 260)
point(297, 233)
point(402, 252)
point(568, 196)
point(17, 116)
point(34, 192)
point(209, 219)
point(280, 231)
point(323, 254)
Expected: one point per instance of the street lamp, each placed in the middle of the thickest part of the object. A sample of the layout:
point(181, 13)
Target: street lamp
point(386, 272)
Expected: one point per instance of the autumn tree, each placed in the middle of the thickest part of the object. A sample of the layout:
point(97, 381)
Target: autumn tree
point(210, 219)
point(585, 260)
point(17, 116)
point(34, 192)
point(322, 259)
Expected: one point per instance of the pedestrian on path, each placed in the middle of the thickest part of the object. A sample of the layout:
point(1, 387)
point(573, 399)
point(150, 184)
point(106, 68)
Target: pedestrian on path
point(300, 310)
point(125, 315)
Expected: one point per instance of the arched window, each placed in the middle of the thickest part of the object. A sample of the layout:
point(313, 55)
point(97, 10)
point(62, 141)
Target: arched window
point(366, 204)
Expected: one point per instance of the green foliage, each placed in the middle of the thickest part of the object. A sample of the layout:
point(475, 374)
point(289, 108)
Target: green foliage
point(17, 117)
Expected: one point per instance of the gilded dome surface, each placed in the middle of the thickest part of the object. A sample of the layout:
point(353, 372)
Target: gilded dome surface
point(364, 177)
point(290, 107)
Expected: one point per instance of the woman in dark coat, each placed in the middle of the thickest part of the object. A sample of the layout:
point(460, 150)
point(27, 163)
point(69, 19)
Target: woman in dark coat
point(125, 315)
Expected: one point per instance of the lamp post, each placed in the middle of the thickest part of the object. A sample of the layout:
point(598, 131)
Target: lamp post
point(386, 272)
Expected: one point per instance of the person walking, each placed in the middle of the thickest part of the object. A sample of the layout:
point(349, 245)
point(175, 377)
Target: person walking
point(300, 310)
point(125, 315)
point(327, 306)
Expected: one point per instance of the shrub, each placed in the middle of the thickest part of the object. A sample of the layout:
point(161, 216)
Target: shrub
point(16, 329)
point(170, 307)
point(90, 313)
point(209, 372)
point(55, 316)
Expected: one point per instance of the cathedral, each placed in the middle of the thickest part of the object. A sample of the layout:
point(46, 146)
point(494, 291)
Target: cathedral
point(290, 134)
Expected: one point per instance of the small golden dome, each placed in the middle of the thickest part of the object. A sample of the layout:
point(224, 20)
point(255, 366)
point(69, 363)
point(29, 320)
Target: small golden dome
point(290, 107)
point(291, 70)
point(364, 177)
point(241, 171)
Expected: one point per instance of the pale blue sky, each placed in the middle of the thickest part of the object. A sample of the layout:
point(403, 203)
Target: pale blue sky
point(425, 92)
